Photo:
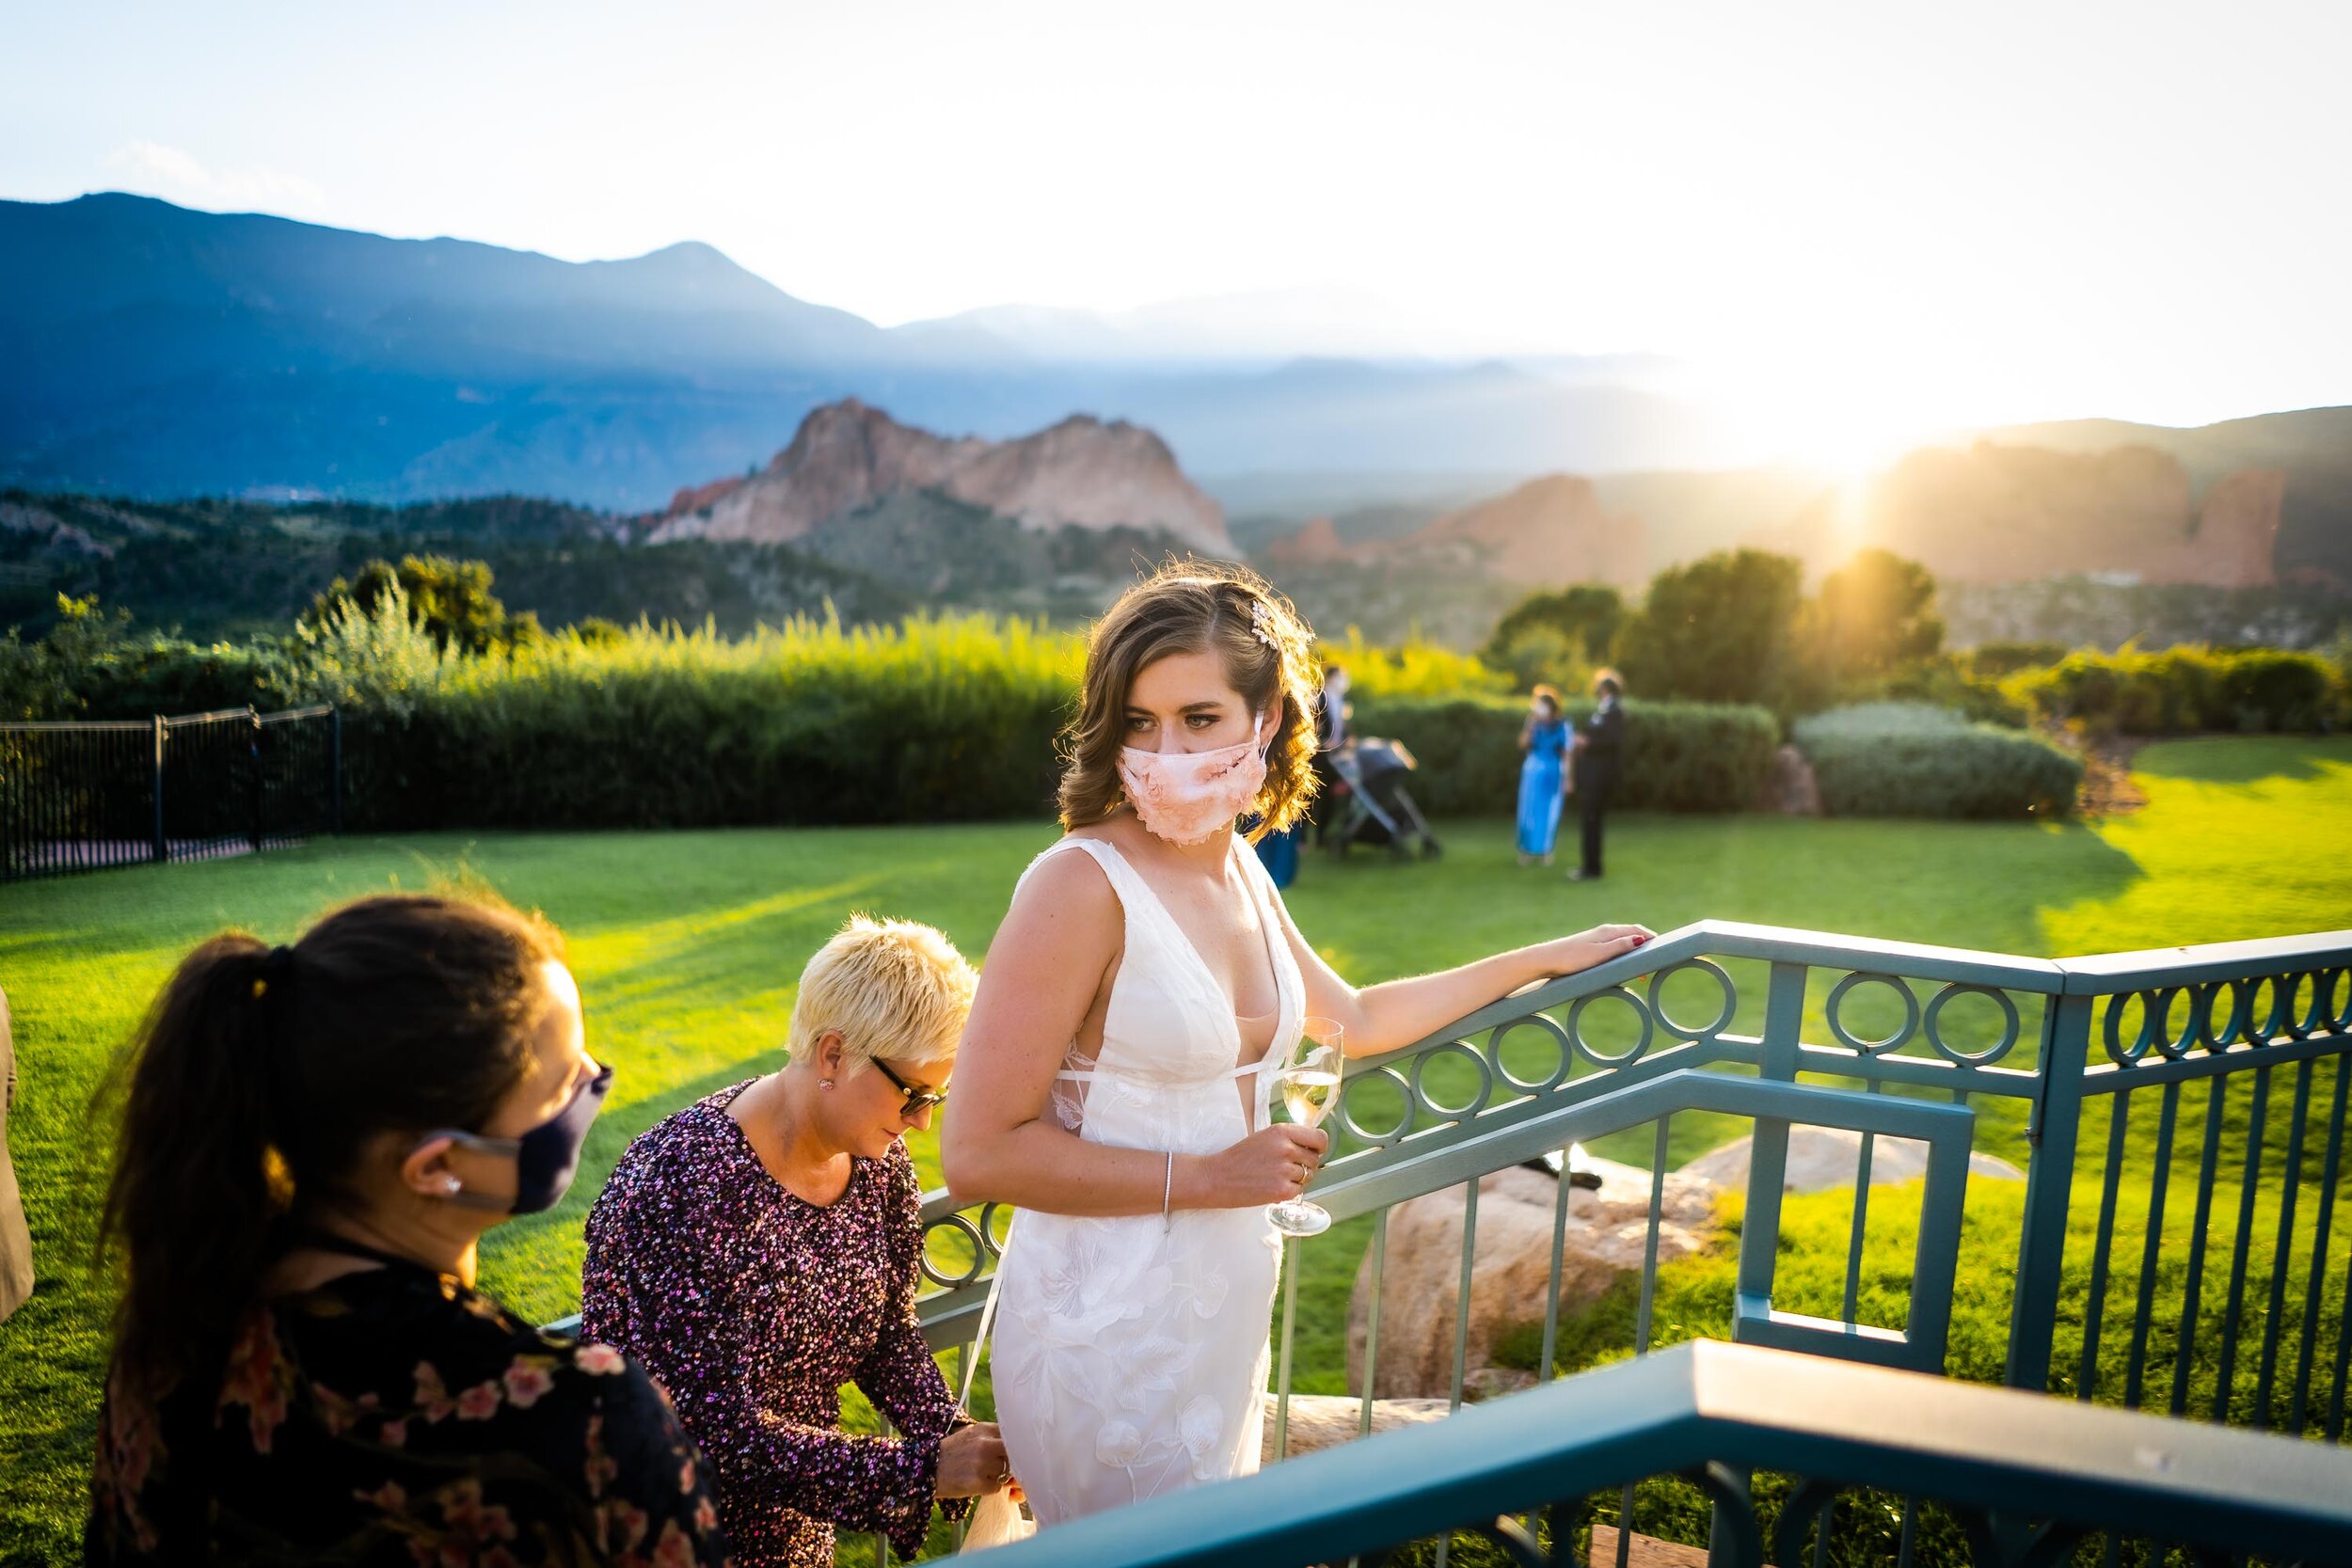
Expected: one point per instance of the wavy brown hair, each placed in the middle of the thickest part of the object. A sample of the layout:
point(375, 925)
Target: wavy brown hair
point(258, 1078)
point(1192, 607)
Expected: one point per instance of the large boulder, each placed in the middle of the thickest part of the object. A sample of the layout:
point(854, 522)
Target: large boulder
point(1511, 1273)
point(1327, 1420)
point(1821, 1158)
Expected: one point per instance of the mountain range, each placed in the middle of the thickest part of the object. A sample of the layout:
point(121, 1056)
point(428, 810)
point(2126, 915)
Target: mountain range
point(154, 351)
point(148, 351)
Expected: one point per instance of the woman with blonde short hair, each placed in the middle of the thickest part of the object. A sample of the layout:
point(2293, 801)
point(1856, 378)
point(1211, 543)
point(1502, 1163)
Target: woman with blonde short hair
point(762, 1247)
point(1143, 984)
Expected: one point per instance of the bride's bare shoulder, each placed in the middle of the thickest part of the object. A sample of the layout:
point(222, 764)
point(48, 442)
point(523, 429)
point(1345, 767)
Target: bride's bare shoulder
point(1066, 880)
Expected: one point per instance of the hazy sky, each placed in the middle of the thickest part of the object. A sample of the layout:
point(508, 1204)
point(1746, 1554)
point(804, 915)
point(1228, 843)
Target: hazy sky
point(1884, 214)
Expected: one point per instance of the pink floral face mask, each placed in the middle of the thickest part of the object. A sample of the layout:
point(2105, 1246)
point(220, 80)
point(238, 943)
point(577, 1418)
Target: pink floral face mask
point(1185, 797)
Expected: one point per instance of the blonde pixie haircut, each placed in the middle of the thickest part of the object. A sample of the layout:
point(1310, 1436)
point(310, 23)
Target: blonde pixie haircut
point(1191, 607)
point(890, 988)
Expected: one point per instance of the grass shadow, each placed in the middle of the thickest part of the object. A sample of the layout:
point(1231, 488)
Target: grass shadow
point(2243, 760)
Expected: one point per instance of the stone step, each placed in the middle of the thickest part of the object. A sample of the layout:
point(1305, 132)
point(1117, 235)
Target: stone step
point(1643, 1551)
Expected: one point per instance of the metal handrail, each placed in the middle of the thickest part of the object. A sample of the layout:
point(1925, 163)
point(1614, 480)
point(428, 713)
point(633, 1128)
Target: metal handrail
point(1988, 1454)
point(2058, 1075)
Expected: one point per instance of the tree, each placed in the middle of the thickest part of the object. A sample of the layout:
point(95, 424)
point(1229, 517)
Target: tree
point(449, 600)
point(1718, 629)
point(1874, 615)
point(1546, 633)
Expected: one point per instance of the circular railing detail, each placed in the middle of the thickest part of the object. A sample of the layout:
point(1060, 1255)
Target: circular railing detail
point(1547, 1026)
point(2339, 1015)
point(2265, 1008)
point(1832, 1010)
point(961, 1227)
point(1425, 1099)
point(2112, 1028)
point(977, 1232)
point(2300, 1022)
point(1406, 1101)
point(2011, 1027)
point(1601, 1058)
point(2202, 1009)
point(2156, 1014)
point(1666, 1020)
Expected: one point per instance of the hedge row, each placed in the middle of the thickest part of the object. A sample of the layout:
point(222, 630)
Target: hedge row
point(1909, 759)
point(933, 721)
point(1678, 756)
point(2187, 689)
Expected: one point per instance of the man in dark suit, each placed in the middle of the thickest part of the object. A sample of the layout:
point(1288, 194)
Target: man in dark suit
point(1594, 767)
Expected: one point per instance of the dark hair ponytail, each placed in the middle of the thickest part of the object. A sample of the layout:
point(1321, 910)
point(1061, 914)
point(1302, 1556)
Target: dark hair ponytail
point(261, 1074)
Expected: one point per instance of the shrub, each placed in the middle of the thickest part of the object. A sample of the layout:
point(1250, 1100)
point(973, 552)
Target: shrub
point(1678, 756)
point(1911, 759)
point(91, 665)
point(1993, 659)
point(2185, 689)
point(1413, 669)
point(948, 718)
point(1718, 629)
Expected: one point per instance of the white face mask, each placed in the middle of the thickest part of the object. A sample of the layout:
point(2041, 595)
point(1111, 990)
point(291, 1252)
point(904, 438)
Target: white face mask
point(1185, 796)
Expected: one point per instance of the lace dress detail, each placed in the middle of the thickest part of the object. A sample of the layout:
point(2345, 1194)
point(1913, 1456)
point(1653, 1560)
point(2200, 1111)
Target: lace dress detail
point(1129, 1353)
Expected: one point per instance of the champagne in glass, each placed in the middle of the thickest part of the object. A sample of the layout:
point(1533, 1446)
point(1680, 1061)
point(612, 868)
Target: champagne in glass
point(1306, 1085)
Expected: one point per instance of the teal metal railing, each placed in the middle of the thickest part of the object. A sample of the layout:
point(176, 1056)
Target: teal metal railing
point(2005, 1476)
point(2052, 1060)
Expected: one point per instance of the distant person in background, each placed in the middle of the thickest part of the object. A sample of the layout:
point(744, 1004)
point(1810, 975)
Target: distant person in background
point(16, 1242)
point(1594, 767)
point(1545, 739)
point(1330, 731)
point(1277, 852)
point(315, 1139)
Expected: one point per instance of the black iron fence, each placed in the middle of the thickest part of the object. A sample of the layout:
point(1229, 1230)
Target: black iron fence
point(83, 796)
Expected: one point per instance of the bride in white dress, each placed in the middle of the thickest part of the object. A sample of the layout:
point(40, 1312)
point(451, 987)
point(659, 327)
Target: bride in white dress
point(1115, 1075)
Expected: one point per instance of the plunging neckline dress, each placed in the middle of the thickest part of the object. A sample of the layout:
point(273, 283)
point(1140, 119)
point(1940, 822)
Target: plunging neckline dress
point(1129, 1353)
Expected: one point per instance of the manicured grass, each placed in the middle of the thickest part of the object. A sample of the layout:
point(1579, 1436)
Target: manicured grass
point(687, 945)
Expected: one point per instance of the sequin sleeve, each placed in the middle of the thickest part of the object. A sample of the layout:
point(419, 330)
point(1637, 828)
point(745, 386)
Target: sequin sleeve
point(899, 1373)
point(656, 1282)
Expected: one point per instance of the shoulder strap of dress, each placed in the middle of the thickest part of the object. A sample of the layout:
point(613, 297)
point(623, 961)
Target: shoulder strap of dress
point(988, 1316)
point(1113, 864)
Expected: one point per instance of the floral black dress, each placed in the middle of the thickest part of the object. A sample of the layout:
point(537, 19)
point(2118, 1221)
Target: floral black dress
point(395, 1416)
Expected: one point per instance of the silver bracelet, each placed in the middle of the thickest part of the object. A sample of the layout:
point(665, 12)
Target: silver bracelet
point(1167, 1194)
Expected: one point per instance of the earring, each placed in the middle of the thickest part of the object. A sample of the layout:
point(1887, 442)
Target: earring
point(824, 1083)
point(450, 1184)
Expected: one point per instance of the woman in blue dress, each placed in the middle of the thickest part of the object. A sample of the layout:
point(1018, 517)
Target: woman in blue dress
point(1544, 738)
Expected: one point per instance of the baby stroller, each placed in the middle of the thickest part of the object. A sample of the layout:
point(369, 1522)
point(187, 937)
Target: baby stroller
point(1370, 803)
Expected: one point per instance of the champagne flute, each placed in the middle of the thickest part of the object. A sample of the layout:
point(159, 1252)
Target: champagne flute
point(1307, 1085)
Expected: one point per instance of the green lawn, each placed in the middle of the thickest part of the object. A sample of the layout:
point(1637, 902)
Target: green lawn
point(687, 947)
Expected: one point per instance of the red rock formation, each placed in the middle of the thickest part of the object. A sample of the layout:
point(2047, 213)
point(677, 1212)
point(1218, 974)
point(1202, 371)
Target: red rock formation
point(1548, 532)
point(1081, 472)
point(1316, 543)
point(694, 497)
point(1995, 514)
point(2237, 538)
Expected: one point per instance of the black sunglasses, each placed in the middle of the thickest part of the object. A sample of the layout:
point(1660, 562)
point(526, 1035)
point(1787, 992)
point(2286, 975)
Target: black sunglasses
point(917, 1100)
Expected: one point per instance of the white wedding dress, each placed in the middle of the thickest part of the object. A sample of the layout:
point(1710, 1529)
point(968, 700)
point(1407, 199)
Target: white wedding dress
point(1130, 1354)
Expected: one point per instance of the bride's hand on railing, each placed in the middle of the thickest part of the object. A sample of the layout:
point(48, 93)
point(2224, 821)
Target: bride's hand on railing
point(1271, 1165)
point(1572, 954)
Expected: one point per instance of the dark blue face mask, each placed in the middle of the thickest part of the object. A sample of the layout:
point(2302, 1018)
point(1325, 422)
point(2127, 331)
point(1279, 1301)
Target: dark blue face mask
point(545, 1158)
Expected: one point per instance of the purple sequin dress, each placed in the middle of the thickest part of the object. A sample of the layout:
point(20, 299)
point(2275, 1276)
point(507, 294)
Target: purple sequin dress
point(753, 1307)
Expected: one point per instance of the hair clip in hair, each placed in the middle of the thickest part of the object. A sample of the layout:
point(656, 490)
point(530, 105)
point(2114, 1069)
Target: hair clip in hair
point(275, 965)
point(1259, 628)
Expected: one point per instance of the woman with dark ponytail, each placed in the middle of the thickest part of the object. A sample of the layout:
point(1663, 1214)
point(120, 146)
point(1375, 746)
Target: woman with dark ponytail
point(314, 1139)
